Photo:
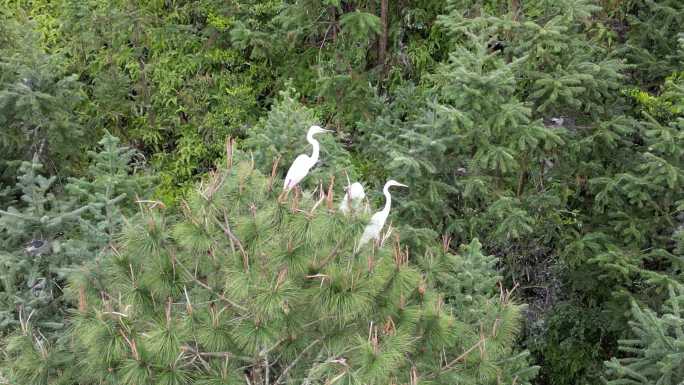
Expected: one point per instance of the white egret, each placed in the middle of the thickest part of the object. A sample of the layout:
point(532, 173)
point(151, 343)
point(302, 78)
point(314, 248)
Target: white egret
point(353, 197)
point(303, 163)
point(377, 221)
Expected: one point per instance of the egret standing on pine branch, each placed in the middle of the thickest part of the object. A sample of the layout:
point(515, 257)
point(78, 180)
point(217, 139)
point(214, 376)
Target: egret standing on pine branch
point(377, 221)
point(353, 195)
point(303, 163)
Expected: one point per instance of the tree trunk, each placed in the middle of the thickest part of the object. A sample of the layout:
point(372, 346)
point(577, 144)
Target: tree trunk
point(333, 22)
point(382, 44)
point(515, 9)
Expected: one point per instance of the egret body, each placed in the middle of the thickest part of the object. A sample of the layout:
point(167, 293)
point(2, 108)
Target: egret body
point(377, 221)
point(353, 196)
point(303, 163)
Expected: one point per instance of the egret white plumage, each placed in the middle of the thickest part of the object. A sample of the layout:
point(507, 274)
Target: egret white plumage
point(303, 163)
point(353, 197)
point(377, 221)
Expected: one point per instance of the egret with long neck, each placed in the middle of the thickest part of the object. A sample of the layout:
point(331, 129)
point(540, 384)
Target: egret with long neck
point(377, 221)
point(303, 163)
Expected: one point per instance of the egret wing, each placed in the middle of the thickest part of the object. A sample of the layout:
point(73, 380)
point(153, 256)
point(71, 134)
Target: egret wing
point(298, 170)
point(373, 228)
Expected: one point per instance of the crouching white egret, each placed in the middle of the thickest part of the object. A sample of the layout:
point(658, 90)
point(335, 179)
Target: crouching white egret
point(377, 221)
point(353, 197)
point(303, 163)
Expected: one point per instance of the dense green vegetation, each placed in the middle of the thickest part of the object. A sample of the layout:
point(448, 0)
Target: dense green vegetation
point(546, 137)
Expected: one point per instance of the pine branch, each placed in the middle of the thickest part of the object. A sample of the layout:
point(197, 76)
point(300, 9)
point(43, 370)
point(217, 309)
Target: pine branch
point(462, 356)
point(204, 285)
point(293, 363)
point(226, 229)
point(190, 349)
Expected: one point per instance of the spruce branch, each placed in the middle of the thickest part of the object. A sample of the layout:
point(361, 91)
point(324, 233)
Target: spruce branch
point(19, 216)
point(73, 213)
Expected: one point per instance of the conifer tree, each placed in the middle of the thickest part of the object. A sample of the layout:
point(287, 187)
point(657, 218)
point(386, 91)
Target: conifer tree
point(47, 231)
point(115, 176)
point(654, 353)
point(474, 145)
point(38, 98)
point(652, 45)
point(243, 289)
point(281, 135)
point(523, 138)
point(30, 233)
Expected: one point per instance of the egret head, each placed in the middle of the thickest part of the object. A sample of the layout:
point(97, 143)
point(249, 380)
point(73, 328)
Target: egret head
point(393, 182)
point(316, 130)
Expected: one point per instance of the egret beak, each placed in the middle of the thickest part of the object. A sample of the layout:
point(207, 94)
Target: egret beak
point(402, 185)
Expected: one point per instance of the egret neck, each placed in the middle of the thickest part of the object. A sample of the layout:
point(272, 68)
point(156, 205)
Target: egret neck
point(388, 200)
point(314, 143)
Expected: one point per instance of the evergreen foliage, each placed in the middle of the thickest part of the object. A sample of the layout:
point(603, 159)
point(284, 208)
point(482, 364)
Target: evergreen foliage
point(654, 355)
point(244, 289)
point(38, 103)
point(533, 149)
point(551, 131)
point(44, 234)
point(281, 135)
point(652, 44)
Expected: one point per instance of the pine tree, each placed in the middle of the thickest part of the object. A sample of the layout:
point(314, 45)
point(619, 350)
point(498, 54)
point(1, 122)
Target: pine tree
point(245, 289)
